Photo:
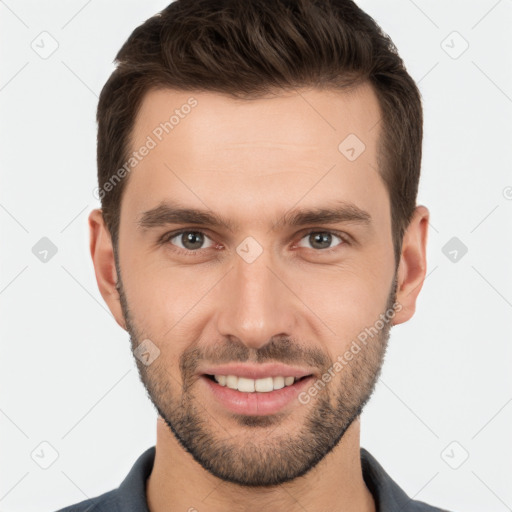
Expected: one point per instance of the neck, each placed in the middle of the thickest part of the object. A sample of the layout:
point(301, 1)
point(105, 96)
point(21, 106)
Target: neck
point(178, 482)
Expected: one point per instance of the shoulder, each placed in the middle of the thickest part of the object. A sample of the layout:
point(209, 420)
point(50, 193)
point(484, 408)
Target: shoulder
point(129, 496)
point(388, 495)
point(106, 502)
point(420, 506)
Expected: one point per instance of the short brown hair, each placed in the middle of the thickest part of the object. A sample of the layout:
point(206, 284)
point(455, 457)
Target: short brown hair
point(246, 48)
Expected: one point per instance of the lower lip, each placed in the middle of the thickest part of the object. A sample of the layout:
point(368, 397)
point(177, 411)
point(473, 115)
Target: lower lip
point(257, 403)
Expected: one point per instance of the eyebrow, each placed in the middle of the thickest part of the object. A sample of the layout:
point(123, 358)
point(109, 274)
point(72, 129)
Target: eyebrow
point(173, 213)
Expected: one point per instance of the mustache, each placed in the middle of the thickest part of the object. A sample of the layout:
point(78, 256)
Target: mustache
point(278, 350)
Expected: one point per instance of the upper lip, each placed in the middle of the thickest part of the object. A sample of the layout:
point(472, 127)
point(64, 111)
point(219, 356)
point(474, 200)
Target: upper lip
point(259, 371)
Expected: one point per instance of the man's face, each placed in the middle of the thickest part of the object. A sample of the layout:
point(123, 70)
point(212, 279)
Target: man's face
point(261, 290)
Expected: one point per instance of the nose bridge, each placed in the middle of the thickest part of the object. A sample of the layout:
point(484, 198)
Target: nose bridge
point(255, 304)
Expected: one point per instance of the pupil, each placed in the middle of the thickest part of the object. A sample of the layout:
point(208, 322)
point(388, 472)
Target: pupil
point(326, 237)
point(189, 239)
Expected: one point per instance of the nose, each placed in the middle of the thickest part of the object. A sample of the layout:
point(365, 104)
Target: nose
point(256, 302)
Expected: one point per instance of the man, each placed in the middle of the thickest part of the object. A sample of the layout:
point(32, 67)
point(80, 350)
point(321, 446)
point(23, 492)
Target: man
point(258, 166)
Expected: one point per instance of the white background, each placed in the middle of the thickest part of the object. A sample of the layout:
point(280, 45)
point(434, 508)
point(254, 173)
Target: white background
point(67, 374)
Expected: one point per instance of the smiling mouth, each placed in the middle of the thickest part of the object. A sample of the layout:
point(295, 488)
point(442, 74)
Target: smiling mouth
point(263, 385)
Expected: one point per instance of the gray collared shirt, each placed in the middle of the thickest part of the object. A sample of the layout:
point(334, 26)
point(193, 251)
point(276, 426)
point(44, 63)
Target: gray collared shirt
point(130, 496)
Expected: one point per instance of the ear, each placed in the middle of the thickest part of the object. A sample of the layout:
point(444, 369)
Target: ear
point(413, 265)
point(102, 254)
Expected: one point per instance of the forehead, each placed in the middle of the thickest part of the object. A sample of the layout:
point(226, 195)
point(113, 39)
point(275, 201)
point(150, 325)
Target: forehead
point(306, 143)
point(310, 118)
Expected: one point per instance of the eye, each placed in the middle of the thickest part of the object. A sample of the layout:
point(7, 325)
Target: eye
point(321, 240)
point(191, 241)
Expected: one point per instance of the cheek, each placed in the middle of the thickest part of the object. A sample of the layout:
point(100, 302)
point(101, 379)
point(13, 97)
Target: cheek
point(347, 299)
point(163, 298)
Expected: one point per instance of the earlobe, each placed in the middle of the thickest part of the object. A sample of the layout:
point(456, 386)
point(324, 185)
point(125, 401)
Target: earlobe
point(102, 254)
point(413, 265)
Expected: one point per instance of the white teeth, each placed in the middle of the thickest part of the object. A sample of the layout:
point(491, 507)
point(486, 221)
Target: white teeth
point(278, 382)
point(262, 385)
point(231, 382)
point(246, 385)
point(288, 381)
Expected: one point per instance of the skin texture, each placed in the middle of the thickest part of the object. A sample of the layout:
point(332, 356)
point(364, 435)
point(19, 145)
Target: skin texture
point(252, 161)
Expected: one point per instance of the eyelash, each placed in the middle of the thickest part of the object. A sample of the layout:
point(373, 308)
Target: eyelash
point(165, 239)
